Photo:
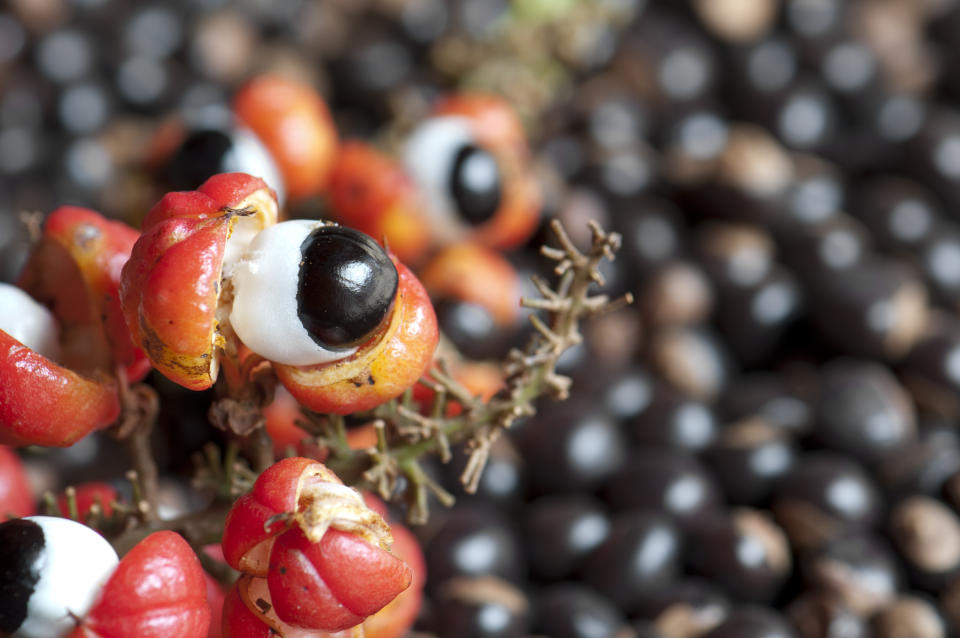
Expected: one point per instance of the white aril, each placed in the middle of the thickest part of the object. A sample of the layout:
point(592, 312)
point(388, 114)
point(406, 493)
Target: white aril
point(265, 286)
point(67, 564)
point(428, 157)
point(28, 322)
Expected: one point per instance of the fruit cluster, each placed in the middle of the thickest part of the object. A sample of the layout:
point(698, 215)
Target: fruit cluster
point(764, 445)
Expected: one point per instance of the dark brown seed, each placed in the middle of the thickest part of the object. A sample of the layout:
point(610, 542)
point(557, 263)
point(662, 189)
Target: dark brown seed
point(691, 359)
point(481, 607)
point(863, 410)
point(745, 552)
point(823, 497)
point(859, 570)
point(676, 293)
point(686, 609)
point(818, 615)
point(908, 617)
point(927, 533)
point(749, 458)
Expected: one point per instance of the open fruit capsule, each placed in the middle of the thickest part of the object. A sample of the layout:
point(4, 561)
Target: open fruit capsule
point(281, 131)
point(346, 326)
point(463, 174)
point(62, 333)
point(314, 556)
point(61, 578)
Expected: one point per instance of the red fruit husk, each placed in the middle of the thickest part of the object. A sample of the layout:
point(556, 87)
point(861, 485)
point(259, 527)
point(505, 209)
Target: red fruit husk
point(157, 591)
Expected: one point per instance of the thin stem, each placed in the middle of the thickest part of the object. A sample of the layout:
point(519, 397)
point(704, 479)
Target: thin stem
point(259, 449)
point(141, 407)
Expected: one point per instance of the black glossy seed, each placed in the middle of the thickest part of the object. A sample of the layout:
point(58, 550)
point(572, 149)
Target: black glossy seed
point(862, 409)
point(640, 555)
point(668, 480)
point(482, 607)
point(859, 570)
point(674, 420)
point(561, 530)
point(818, 615)
point(749, 457)
point(752, 622)
point(474, 540)
point(347, 286)
point(475, 184)
point(876, 308)
point(823, 497)
point(571, 446)
point(574, 611)
point(899, 212)
point(201, 155)
point(472, 328)
point(23, 542)
point(745, 552)
point(754, 319)
point(689, 607)
point(504, 478)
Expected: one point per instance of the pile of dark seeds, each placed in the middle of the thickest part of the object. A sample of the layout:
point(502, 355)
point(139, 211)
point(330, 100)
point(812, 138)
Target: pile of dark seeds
point(766, 443)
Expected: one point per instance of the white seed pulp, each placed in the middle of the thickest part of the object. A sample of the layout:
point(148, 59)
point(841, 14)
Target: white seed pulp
point(428, 157)
point(264, 282)
point(28, 322)
point(74, 565)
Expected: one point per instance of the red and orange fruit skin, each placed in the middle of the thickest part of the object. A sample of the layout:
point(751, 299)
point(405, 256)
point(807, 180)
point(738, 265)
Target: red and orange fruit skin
point(157, 591)
point(498, 129)
point(469, 272)
point(276, 490)
point(74, 270)
point(42, 403)
point(381, 369)
point(327, 584)
point(369, 191)
point(99, 247)
point(16, 496)
point(171, 285)
point(294, 124)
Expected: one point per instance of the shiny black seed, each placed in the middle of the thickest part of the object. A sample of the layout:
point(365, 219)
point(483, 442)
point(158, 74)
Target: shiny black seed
point(561, 530)
point(569, 610)
point(673, 481)
point(347, 286)
point(481, 607)
point(640, 555)
point(201, 155)
point(475, 540)
point(752, 621)
point(744, 551)
point(23, 541)
point(475, 183)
